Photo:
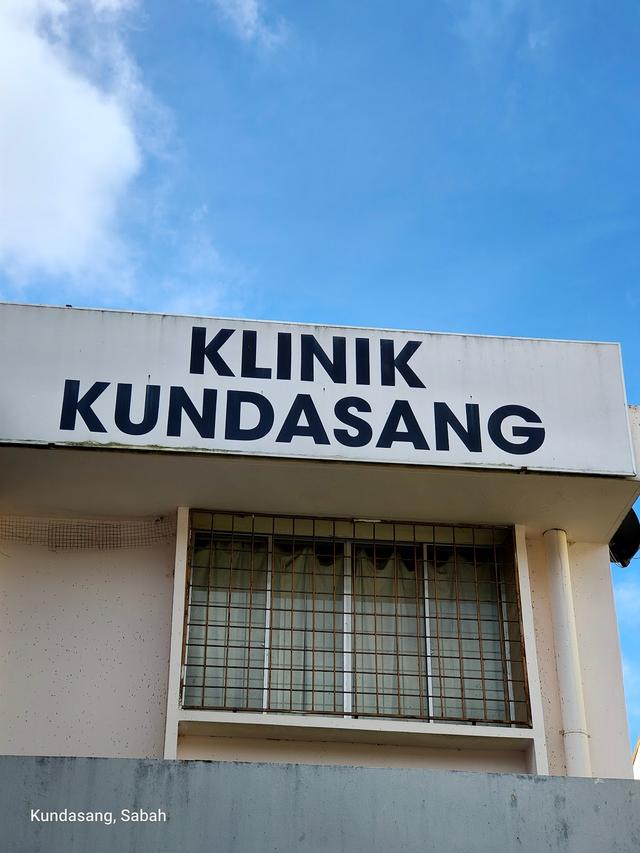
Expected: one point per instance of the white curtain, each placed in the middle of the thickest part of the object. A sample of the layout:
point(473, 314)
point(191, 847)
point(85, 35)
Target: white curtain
point(468, 667)
point(388, 622)
point(467, 652)
point(306, 664)
point(225, 640)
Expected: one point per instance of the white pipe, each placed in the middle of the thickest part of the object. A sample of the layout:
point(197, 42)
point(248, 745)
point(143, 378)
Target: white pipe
point(574, 722)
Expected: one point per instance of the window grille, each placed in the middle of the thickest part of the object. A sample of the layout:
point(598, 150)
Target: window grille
point(353, 618)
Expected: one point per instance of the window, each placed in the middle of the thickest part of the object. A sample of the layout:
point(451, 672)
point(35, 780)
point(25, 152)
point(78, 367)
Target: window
point(359, 619)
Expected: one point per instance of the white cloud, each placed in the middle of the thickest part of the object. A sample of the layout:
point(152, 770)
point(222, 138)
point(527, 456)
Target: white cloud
point(485, 23)
point(249, 20)
point(68, 142)
point(77, 125)
point(538, 40)
point(483, 20)
point(200, 281)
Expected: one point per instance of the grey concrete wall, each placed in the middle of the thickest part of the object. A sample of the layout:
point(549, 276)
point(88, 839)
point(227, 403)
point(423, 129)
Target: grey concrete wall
point(270, 808)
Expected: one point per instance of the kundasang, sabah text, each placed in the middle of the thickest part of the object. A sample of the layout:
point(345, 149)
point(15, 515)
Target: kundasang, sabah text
point(240, 415)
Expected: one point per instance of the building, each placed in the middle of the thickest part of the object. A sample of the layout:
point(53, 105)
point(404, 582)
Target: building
point(247, 541)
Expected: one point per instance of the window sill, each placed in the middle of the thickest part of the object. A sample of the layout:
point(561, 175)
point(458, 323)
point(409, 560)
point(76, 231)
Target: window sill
point(347, 730)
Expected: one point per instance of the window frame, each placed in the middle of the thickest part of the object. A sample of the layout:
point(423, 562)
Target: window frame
point(348, 671)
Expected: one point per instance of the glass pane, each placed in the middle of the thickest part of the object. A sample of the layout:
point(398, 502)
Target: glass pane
point(388, 625)
point(201, 520)
point(306, 672)
point(465, 578)
point(226, 621)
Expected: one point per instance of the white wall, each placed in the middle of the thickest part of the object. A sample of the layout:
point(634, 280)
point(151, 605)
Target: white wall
point(541, 606)
point(84, 648)
point(600, 661)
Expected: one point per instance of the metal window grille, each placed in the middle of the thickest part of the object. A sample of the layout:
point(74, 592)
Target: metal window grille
point(353, 618)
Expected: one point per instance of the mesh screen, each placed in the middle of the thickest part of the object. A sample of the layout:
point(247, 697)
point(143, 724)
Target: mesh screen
point(73, 534)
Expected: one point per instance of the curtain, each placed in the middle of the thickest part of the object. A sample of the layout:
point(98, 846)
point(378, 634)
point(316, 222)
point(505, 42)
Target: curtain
point(466, 639)
point(462, 660)
point(388, 630)
point(306, 642)
point(227, 608)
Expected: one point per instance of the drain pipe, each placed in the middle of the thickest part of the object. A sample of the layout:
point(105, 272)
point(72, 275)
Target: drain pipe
point(574, 722)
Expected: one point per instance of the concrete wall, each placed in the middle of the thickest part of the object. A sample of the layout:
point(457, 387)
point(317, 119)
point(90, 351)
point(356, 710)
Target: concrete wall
point(241, 808)
point(84, 648)
point(545, 648)
point(350, 754)
point(600, 660)
point(601, 679)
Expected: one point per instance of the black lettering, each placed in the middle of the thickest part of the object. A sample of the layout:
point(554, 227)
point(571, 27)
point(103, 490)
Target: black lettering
point(283, 363)
point(204, 421)
point(343, 414)
point(389, 363)
point(233, 431)
point(402, 411)
point(73, 404)
point(363, 370)
point(303, 405)
point(534, 435)
point(336, 367)
point(123, 409)
point(200, 350)
point(248, 367)
point(469, 435)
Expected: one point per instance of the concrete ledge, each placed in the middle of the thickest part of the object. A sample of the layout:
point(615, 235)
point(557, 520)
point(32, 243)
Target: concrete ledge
point(307, 727)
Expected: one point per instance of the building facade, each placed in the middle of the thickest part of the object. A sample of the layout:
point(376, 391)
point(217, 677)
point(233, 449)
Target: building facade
point(234, 540)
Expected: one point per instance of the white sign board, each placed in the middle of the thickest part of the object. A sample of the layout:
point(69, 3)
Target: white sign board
point(116, 379)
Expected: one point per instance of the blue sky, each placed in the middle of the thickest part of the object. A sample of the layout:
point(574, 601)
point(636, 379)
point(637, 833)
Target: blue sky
point(459, 165)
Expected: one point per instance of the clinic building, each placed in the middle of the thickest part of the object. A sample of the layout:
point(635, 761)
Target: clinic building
point(250, 541)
